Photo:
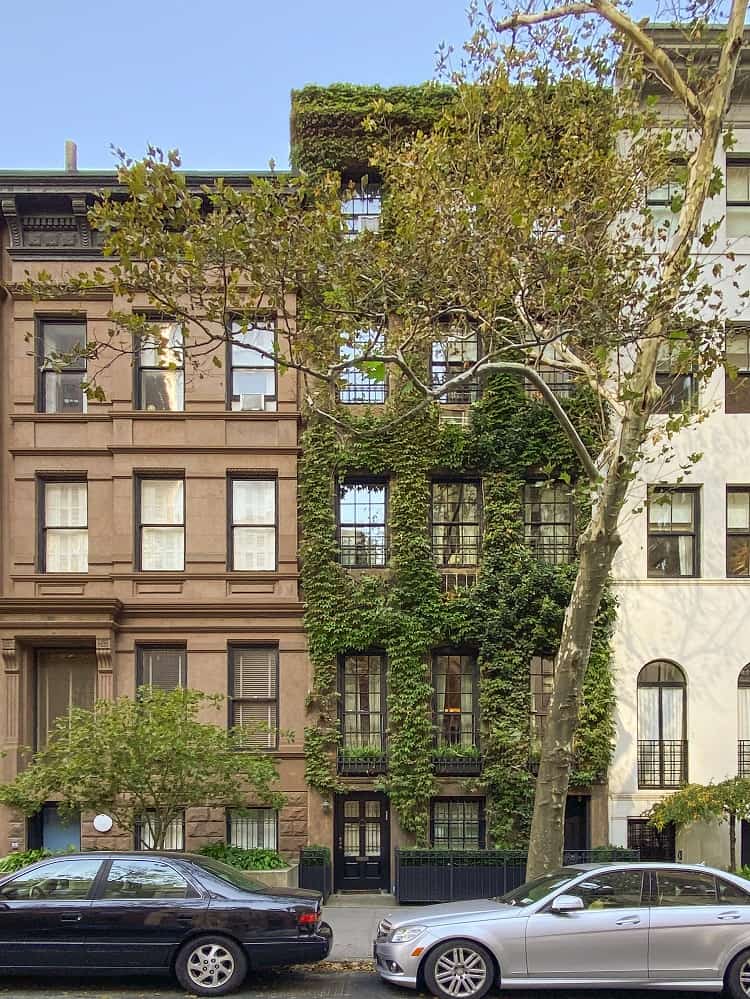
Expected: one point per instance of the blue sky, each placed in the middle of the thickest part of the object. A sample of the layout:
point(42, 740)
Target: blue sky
point(212, 78)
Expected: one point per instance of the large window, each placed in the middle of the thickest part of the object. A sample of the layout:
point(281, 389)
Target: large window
point(252, 368)
point(738, 199)
point(362, 524)
point(559, 380)
point(652, 843)
point(453, 354)
point(457, 823)
point(455, 523)
point(65, 679)
point(661, 201)
point(738, 531)
point(161, 666)
point(253, 686)
point(253, 828)
point(361, 207)
point(662, 738)
point(358, 384)
point(737, 371)
point(363, 701)
point(64, 543)
point(676, 379)
point(161, 524)
point(60, 385)
point(454, 677)
point(146, 831)
point(672, 532)
point(743, 722)
point(161, 368)
point(549, 524)
point(252, 524)
point(542, 677)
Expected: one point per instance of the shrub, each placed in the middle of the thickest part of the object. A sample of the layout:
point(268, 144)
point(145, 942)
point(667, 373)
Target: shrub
point(315, 855)
point(246, 860)
point(15, 861)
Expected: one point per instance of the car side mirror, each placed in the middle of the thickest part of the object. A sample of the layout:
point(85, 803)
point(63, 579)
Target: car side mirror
point(567, 903)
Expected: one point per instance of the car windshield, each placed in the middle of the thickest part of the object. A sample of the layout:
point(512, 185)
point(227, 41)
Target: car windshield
point(532, 891)
point(233, 875)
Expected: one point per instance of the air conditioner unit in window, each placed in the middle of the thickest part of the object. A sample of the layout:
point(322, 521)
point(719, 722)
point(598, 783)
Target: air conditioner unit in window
point(252, 400)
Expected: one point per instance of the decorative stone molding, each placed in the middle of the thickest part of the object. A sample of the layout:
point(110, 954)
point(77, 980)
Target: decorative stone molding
point(105, 687)
point(10, 655)
point(80, 211)
point(12, 690)
point(9, 210)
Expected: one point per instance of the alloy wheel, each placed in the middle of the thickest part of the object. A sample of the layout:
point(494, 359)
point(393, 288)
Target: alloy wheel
point(744, 977)
point(210, 966)
point(462, 972)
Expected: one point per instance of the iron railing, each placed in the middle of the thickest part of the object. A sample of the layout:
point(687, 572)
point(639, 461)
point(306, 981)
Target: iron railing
point(662, 763)
point(362, 766)
point(457, 766)
point(743, 758)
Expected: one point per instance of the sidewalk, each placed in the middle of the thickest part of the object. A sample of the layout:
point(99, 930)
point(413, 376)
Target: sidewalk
point(354, 920)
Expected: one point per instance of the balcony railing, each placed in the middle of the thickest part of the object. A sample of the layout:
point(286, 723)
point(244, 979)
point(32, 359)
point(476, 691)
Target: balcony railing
point(457, 766)
point(743, 758)
point(662, 763)
point(354, 764)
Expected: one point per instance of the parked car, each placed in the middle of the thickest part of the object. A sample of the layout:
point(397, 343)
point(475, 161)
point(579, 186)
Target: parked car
point(630, 925)
point(130, 913)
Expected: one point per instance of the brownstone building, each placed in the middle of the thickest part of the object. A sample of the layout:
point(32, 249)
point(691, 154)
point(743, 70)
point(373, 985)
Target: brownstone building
point(151, 538)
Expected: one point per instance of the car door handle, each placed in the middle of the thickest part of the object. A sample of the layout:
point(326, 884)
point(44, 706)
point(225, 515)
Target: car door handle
point(728, 915)
point(72, 917)
point(628, 921)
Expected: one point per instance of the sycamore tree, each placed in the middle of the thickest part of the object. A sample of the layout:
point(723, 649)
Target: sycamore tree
point(521, 217)
point(727, 801)
point(143, 762)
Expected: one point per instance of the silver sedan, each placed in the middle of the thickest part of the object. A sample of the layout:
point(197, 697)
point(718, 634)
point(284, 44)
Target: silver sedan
point(645, 925)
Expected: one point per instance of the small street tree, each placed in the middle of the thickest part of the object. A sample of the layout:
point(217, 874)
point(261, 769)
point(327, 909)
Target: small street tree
point(144, 761)
point(727, 801)
point(520, 216)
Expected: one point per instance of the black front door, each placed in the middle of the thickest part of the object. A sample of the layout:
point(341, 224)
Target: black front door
point(577, 822)
point(362, 855)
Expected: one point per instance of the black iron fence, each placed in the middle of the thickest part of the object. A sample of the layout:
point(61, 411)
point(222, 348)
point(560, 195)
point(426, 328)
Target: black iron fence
point(662, 763)
point(743, 758)
point(451, 875)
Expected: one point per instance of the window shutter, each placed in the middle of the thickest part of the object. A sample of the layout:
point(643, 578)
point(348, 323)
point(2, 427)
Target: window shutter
point(254, 673)
point(163, 669)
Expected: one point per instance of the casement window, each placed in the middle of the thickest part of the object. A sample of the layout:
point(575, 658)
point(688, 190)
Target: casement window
point(676, 379)
point(673, 518)
point(252, 372)
point(253, 686)
point(65, 679)
point(738, 199)
point(743, 722)
point(161, 369)
point(451, 355)
point(662, 729)
point(559, 380)
point(145, 829)
point(163, 667)
point(253, 829)
point(454, 678)
point(362, 524)
point(737, 370)
point(542, 678)
point(661, 201)
point(549, 522)
point(456, 534)
point(457, 823)
point(361, 208)
point(161, 524)
point(64, 543)
point(363, 687)
point(359, 387)
point(60, 385)
point(252, 524)
point(738, 531)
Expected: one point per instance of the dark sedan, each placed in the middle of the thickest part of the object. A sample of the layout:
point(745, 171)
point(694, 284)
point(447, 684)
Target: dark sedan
point(130, 913)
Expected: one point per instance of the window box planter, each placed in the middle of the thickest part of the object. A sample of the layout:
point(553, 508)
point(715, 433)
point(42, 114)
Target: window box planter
point(356, 765)
point(457, 766)
point(315, 870)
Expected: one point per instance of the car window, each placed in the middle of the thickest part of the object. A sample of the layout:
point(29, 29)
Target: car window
point(532, 891)
point(232, 875)
point(685, 888)
point(731, 894)
point(610, 890)
point(62, 880)
point(145, 879)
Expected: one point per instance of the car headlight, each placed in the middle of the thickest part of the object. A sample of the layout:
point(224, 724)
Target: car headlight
point(407, 934)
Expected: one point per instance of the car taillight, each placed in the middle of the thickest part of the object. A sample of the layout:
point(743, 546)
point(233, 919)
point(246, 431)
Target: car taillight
point(307, 918)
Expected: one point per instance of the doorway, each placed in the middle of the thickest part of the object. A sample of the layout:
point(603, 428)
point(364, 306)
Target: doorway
point(362, 842)
point(577, 822)
point(49, 831)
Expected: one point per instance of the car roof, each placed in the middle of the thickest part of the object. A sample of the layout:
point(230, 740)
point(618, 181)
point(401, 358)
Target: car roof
point(651, 865)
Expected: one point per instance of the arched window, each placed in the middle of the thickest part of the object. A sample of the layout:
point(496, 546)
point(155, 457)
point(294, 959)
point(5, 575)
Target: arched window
point(662, 733)
point(743, 722)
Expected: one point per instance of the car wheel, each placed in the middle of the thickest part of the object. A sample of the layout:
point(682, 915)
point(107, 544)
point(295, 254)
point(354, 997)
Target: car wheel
point(211, 966)
point(460, 969)
point(738, 976)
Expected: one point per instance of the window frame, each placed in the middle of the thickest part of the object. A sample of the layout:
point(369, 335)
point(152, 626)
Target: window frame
point(736, 532)
point(101, 894)
point(342, 712)
point(463, 652)
point(138, 835)
point(242, 476)
point(481, 821)
point(368, 481)
point(376, 392)
point(559, 557)
point(144, 647)
point(43, 479)
point(661, 685)
point(60, 319)
point(734, 161)
point(479, 523)
point(538, 719)
point(253, 808)
point(668, 382)
point(471, 391)
point(232, 648)
point(368, 193)
point(737, 387)
point(695, 491)
point(139, 367)
point(167, 475)
point(53, 861)
point(258, 322)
